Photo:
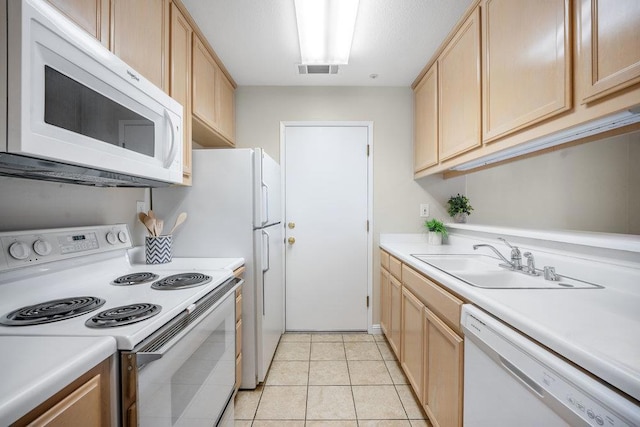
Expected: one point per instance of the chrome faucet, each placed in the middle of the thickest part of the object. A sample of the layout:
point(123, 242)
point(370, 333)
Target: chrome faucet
point(516, 256)
point(507, 263)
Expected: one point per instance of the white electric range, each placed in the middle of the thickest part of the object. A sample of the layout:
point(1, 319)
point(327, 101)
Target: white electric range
point(187, 308)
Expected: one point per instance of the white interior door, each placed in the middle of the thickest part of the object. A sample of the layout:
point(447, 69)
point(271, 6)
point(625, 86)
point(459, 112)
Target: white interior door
point(326, 212)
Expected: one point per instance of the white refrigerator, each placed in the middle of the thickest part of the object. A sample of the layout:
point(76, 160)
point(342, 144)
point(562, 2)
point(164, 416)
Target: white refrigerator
point(234, 210)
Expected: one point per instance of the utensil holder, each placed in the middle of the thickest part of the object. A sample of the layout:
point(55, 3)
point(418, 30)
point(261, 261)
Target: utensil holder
point(157, 250)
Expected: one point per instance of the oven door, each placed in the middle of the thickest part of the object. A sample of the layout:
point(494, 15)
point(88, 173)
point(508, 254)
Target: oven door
point(184, 375)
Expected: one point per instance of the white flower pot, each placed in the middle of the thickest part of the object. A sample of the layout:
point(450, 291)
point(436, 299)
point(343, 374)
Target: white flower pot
point(435, 238)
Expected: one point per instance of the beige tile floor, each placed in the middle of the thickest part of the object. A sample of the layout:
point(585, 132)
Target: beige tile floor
point(333, 380)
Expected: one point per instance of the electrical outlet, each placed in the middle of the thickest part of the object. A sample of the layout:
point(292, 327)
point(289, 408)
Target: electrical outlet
point(141, 207)
point(424, 210)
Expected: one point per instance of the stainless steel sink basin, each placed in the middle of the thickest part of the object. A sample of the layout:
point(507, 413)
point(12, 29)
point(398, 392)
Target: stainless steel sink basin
point(482, 271)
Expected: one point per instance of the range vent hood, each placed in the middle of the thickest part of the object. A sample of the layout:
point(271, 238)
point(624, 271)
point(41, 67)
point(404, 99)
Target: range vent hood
point(317, 69)
point(594, 127)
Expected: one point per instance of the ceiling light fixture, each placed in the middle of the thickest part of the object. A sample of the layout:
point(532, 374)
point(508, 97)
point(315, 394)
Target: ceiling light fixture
point(325, 30)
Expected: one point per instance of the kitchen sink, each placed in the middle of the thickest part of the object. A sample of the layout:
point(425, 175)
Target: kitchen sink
point(482, 271)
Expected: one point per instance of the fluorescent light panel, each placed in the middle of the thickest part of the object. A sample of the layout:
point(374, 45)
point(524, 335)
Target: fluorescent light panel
point(614, 121)
point(325, 30)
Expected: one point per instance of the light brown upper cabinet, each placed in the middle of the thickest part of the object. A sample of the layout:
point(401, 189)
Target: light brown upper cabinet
point(180, 80)
point(213, 100)
point(90, 15)
point(526, 56)
point(140, 37)
point(426, 121)
point(608, 46)
point(459, 91)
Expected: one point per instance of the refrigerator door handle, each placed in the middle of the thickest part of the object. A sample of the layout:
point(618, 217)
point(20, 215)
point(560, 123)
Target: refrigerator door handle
point(265, 191)
point(264, 270)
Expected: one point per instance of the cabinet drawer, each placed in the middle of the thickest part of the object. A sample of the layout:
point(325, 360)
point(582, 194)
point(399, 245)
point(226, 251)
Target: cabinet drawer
point(238, 337)
point(395, 268)
point(238, 306)
point(434, 297)
point(384, 259)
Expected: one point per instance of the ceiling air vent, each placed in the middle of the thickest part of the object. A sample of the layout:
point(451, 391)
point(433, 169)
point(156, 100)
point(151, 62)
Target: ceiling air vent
point(317, 69)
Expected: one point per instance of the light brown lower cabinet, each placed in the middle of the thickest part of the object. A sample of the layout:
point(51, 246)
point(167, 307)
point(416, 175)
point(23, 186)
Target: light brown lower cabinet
point(83, 403)
point(442, 398)
point(421, 320)
point(239, 273)
point(395, 317)
point(413, 340)
point(385, 296)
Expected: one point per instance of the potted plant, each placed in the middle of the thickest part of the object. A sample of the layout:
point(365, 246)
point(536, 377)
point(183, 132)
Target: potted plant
point(459, 208)
point(436, 231)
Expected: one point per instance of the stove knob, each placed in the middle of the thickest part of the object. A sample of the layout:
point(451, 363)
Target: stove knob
point(122, 236)
point(19, 250)
point(111, 238)
point(42, 247)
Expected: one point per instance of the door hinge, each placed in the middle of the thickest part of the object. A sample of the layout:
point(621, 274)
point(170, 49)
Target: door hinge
point(367, 301)
point(367, 226)
point(367, 150)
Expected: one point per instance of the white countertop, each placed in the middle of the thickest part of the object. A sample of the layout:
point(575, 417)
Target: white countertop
point(35, 368)
point(136, 256)
point(597, 329)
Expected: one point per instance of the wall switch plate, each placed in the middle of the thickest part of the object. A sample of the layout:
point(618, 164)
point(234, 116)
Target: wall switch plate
point(424, 210)
point(141, 207)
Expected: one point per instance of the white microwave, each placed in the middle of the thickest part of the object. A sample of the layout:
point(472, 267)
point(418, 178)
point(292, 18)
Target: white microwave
point(71, 111)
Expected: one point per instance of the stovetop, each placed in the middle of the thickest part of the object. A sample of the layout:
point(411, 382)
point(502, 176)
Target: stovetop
point(86, 270)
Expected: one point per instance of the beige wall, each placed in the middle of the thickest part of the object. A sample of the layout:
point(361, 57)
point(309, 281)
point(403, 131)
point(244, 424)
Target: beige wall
point(396, 199)
point(30, 204)
point(589, 187)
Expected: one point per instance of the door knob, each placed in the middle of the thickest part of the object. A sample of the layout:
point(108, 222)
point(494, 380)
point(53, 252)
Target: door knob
point(291, 225)
point(291, 240)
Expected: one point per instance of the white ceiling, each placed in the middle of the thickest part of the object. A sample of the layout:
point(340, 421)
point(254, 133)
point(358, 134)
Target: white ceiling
point(258, 43)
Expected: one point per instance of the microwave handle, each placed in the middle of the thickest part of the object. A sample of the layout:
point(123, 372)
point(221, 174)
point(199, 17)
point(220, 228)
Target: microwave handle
point(174, 147)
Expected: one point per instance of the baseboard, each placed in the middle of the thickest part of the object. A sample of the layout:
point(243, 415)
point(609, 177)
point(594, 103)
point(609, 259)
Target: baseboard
point(375, 330)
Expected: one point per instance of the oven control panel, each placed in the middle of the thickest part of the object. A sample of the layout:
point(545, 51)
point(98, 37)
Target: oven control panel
point(33, 247)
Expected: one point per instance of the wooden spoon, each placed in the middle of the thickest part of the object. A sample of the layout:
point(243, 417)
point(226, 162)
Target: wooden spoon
point(150, 223)
point(146, 221)
point(159, 226)
point(179, 220)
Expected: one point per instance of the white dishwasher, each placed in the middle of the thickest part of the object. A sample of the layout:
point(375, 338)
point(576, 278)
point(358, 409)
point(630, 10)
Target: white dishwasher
point(510, 380)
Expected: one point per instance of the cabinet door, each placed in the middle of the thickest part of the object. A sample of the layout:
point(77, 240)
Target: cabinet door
point(444, 370)
point(205, 74)
point(180, 80)
point(385, 302)
point(608, 46)
point(395, 316)
point(90, 15)
point(81, 407)
point(226, 108)
point(140, 35)
point(412, 341)
point(459, 91)
point(426, 121)
point(526, 63)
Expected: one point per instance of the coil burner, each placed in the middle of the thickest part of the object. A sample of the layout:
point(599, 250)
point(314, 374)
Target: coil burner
point(52, 311)
point(181, 281)
point(135, 279)
point(123, 315)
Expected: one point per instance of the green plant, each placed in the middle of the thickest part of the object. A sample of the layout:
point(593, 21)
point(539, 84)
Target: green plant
point(459, 204)
point(436, 226)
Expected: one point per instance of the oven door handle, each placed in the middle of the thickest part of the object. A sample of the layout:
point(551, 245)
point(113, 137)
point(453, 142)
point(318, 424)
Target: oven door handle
point(143, 358)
